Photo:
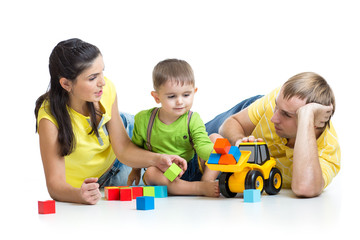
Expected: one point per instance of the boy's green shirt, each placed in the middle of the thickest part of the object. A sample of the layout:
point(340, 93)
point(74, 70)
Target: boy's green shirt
point(173, 139)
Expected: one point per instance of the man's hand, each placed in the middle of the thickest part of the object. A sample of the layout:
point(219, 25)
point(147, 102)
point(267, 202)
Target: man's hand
point(248, 139)
point(319, 114)
point(166, 160)
point(90, 192)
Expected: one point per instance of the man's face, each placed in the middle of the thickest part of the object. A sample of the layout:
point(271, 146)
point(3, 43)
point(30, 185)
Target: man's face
point(285, 115)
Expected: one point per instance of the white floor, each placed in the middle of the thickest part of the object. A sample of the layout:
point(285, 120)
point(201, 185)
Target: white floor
point(275, 217)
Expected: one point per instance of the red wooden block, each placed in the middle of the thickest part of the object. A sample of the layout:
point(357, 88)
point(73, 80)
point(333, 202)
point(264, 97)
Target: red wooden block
point(46, 207)
point(222, 146)
point(227, 159)
point(112, 193)
point(126, 194)
point(137, 192)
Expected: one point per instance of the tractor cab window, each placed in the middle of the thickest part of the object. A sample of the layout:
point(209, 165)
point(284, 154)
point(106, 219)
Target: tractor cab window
point(264, 154)
point(250, 148)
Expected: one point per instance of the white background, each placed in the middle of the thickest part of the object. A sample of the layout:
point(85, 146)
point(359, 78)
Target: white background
point(236, 48)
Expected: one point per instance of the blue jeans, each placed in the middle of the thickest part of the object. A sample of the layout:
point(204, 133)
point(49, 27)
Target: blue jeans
point(192, 172)
point(213, 125)
point(119, 172)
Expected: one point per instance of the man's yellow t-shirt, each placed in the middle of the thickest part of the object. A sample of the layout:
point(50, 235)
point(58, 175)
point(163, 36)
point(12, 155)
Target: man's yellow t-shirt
point(260, 113)
point(92, 155)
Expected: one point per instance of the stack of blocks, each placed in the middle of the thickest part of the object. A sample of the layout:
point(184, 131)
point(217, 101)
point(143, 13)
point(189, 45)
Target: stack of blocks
point(144, 195)
point(225, 154)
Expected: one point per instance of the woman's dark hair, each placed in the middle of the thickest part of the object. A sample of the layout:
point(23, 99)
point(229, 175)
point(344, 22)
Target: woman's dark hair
point(68, 59)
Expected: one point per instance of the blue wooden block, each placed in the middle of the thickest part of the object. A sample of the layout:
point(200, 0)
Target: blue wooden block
point(160, 191)
point(252, 195)
point(235, 152)
point(145, 203)
point(214, 158)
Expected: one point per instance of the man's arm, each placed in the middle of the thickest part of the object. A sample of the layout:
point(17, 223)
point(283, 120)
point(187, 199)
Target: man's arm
point(236, 127)
point(307, 180)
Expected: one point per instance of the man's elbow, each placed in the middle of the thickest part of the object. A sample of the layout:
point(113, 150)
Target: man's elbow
point(222, 129)
point(225, 126)
point(306, 190)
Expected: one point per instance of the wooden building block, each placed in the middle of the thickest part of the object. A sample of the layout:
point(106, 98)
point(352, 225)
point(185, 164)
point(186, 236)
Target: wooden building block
point(227, 159)
point(137, 192)
point(112, 193)
point(235, 152)
point(149, 191)
point(160, 191)
point(145, 203)
point(214, 158)
point(46, 207)
point(126, 194)
point(222, 146)
point(172, 172)
point(252, 195)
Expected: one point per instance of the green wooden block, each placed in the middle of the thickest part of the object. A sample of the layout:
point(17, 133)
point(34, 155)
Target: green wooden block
point(149, 191)
point(172, 172)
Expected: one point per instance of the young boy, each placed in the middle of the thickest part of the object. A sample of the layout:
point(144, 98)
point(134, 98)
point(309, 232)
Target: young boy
point(174, 130)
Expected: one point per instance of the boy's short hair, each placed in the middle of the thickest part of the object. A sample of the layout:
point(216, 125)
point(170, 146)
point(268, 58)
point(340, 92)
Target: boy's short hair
point(311, 87)
point(175, 70)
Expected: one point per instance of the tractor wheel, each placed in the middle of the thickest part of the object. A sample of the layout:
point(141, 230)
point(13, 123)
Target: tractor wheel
point(224, 185)
point(254, 180)
point(274, 183)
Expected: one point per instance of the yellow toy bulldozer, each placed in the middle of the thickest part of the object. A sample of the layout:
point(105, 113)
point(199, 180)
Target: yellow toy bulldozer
point(255, 169)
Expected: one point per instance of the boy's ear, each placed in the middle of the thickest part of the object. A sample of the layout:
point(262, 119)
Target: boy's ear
point(65, 84)
point(195, 90)
point(155, 96)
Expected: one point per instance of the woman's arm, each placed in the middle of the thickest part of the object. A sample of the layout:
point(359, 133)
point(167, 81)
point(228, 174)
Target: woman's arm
point(130, 154)
point(54, 168)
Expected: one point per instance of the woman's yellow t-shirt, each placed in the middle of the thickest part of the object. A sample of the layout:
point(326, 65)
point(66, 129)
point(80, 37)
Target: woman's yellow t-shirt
point(92, 155)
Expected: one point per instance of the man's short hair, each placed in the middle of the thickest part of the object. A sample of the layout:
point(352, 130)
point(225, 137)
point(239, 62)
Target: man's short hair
point(311, 87)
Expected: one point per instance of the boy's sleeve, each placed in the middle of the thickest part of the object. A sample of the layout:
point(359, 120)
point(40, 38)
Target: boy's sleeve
point(258, 108)
point(201, 140)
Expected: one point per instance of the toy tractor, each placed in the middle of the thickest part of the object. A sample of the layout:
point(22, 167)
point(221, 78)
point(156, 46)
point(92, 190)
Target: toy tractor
point(255, 169)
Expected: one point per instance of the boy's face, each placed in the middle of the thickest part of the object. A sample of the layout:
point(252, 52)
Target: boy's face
point(175, 99)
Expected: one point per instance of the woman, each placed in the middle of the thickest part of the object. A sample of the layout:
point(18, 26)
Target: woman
point(81, 132)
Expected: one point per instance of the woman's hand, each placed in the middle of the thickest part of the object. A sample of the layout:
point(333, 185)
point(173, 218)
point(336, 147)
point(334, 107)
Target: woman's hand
point(90, 192)
point(165, 162)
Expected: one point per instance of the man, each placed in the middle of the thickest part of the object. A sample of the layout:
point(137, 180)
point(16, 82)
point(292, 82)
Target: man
point(294, 121)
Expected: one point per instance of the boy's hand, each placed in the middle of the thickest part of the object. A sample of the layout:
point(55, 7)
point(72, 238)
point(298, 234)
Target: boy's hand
point(89, 191)
point(134, 176)
point(166, 161)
